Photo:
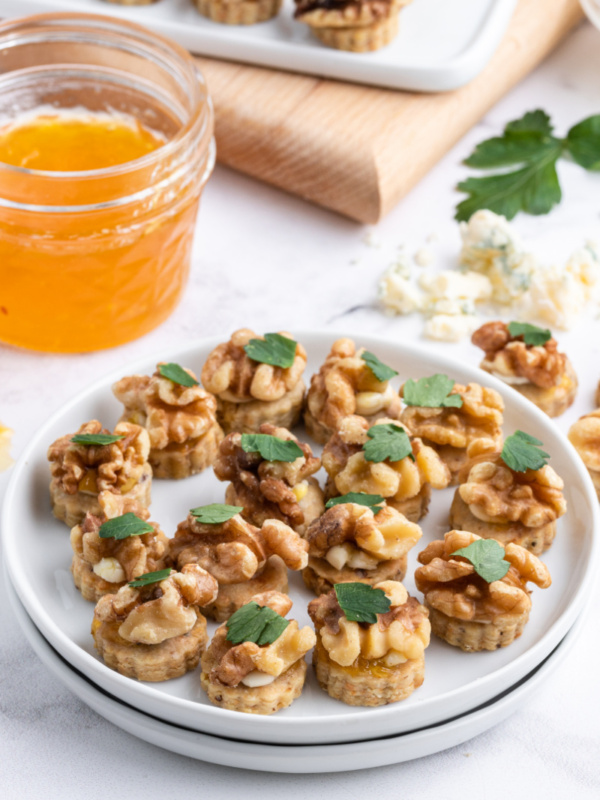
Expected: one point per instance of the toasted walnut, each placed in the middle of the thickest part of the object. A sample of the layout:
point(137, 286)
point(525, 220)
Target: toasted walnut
point(509, 357)
point(160, 611)
point(451, 585)
point(267, 489)
point(233, 375)
point(585, 438)
point(496, 493)
point(236, 551)
point(400, 635)
point(347, 530)
point(480, 416)
point(346, 385)
point(345, 462)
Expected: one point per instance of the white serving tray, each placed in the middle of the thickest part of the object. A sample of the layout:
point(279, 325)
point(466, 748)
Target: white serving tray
point(38, 555)
point(293, 759)
point(442, 44)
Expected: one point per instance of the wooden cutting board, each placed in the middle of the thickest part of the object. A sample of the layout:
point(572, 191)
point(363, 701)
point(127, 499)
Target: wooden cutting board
point(359, 150)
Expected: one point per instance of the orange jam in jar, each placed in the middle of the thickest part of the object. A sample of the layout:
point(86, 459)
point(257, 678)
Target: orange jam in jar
point(105, 146)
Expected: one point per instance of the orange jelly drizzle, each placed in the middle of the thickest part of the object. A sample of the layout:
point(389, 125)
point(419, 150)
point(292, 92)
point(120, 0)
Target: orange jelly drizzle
point(66, 283)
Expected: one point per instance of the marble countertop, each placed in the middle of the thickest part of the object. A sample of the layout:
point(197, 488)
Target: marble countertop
point(266, 260)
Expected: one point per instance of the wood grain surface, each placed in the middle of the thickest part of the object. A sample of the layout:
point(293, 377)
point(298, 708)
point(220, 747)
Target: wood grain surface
point(358, 150)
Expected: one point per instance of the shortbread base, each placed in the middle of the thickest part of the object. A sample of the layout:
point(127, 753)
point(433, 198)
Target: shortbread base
point(243, 12)
point(472, 636)
point(360, 39)
point(248, 417)
point(320, 576)
point(178, 461)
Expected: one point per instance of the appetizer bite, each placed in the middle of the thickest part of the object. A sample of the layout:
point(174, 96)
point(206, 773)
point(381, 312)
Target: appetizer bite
point(584, 435)
point(527, 358)
point(256, 380)
point(115, 547)
point(358, 539)
point(255, 662)
point(270, 474)
point(448, 417)
point(238, 12)
point(511, 496)
point(355, 25)
point(370, 642)
point(244, 559)
point(383, 459)
point(178, 414)
point(94, 460)
point(350, 381)
point(152, 628)
point(476, 589)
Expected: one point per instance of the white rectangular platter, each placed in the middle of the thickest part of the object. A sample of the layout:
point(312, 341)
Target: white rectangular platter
point(442, 44)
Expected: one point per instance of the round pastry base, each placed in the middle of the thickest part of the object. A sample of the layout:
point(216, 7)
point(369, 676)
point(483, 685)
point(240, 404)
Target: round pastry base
point(178, 461)
point(248, 417)
point(91, 586)
point(361, 39)
point(247, 12)
point(475, 636)
point(320, 576)
point(555, 400)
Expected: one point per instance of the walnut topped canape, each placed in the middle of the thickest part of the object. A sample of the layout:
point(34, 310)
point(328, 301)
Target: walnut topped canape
point(476, 589)
point(383, 459)
point(92, 461)
point(152, 628)
point(448, 416)
point(255, 662)
point(351, 381)
point(511, 496)
point(352, 542)
point(370, 642)
point(245, 559)
point(584, 435)
point(115, 547)
point(256, 379)
point(270, 474)
point(527, 358)
point(178, 414)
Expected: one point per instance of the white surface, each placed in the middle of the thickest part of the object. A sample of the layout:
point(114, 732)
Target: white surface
point(592, 9)
point(441, 45)
point(38, 555)
point(311, 268)
point(291, 759)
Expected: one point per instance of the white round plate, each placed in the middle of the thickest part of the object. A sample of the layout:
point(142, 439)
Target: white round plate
point(293, 758)
point(38, 556)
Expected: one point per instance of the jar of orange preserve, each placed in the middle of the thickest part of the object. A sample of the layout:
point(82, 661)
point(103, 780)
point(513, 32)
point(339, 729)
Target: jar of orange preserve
point(106, 142)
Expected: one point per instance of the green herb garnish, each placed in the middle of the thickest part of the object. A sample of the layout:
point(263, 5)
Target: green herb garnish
point(254, 623)
point(123, 527)
point(97, 439)
point(271, 448)
point(177, 374)
point(432, 392)
point(531, 333)
point(387, 442)
point(274, 349)
point(529, 146)
point(487, 557)
point(361, 602)
point(150, 577)
point(521, 452)
point(372, 501)
point(381, 371)
point(216, 513)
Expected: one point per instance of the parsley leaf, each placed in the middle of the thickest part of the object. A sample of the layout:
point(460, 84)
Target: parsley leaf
point(274, 349)
point(372, 501)
point(433, 392)
point(177, 374)
point(254, 623)
point(150, 577)
point(531, 333)
point(521, 452)
point(96, 439)
point(361, 602)
point(271, 448)
point(381, 371)
point(216, 513)
point(487, 556)
point(387, 442)
point(583, 142)
point(123, 527)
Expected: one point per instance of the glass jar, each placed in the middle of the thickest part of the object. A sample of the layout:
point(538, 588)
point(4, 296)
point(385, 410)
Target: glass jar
point(94, 258)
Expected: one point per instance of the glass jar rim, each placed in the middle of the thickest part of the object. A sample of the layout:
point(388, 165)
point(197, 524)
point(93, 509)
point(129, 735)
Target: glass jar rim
point(201, 101)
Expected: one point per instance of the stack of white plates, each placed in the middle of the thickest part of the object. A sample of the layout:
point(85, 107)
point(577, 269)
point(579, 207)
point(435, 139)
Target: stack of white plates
point(463, 694)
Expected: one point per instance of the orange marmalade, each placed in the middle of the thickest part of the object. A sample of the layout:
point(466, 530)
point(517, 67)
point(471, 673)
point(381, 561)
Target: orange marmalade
point(101, 171)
